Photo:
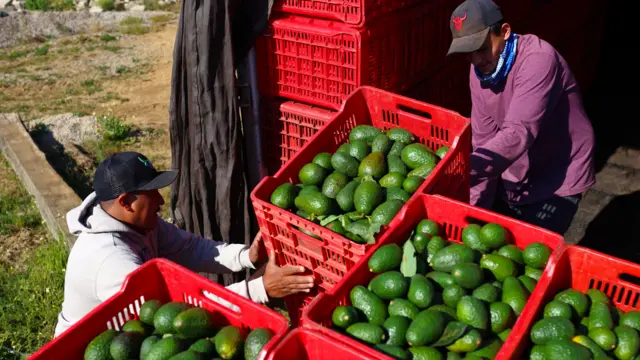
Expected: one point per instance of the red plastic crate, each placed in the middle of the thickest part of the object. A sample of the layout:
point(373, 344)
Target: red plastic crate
point(288, 126)
point(582, 269)
point(166, 281)
point(332, 256)
point(453, 217)
point(304, 344)
point(322, 62)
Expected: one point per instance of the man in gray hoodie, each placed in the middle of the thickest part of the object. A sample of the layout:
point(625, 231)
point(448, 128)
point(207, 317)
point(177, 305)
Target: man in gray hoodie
point(119, 229)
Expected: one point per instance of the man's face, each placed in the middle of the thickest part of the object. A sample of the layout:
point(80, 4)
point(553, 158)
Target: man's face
point(145, 206)
point(486, 58)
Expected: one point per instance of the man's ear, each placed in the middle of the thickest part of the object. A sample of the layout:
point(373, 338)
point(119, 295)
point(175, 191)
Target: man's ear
point(506, 31)
point(125, 201)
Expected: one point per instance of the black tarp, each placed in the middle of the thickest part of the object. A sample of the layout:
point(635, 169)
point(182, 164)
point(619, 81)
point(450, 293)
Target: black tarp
point(210, 196)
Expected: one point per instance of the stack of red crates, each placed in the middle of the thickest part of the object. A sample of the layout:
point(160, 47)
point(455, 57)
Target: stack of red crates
point(315, 53)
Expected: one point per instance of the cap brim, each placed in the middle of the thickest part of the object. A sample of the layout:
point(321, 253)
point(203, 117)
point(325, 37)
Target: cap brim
point(469, 43)
point(164, 179)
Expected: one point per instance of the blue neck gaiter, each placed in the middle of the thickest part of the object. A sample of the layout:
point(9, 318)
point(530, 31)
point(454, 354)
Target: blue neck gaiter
point(505, 62)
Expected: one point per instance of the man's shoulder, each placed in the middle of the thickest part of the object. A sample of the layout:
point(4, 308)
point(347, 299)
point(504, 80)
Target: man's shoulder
point(91, 250)
point(533, 45)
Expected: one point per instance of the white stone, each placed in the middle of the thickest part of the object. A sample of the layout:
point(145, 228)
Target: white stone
point(137, 8)
point(95, 9)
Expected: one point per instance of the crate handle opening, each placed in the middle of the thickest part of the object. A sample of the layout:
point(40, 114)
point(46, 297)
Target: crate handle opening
point(414, 111)
point(632, 279)
point(226, 303)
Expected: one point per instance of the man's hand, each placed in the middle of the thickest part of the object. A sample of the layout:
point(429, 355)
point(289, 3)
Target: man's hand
point(257, 252)
point(282, 281)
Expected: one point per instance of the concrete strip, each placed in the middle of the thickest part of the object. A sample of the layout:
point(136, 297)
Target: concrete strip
point(53, 196)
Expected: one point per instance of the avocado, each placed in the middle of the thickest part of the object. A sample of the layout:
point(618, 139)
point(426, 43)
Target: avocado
point(188, 355)
point(370, 304)
point(397, 194)
point(537, 352)
point(364, 132)
point(137, 326)
point(472, 237)
point(203, 346)
point(535, 274)
point(489, 349)
point(447, 311)
point(344, 148)
point(441, 278)
point(423, 171)
point(577, 300)
point(493, 236)
point(628, 342)
point(359, 149)
point(386, 211)
point(312, 174)
point(374, 165)
point(435, 244)
point(147, 344)
point(469, 342)
point(426, 328)
point(565, 350)
point(345, 163)
point(392, 180)
point(313, 203)
point(528, 283)
point(487, 292)
point(336, 226)
point(400, 135)
point(604, 337)
point(395, 164)
point(283, 196)
point(596, 295)
point(345, 196)
point(501, 316)
point(514, 294)
point(421, 291)
point(500, 266)
point(631, 319)
point(452, 294)
point(148, 310)
point(126, 345)
point(367, 197)
point(229, 341)
point(387, 257)
point(512, 252)
point(473, 312)
point(600, 316)
point(323, 159)
point(333, 183)
point(551, 328)
point(193, 323)
point(403, 307)
point(390, 285)
point(416, 155)
point(395, 352)
point(163, 318)
point(425, 353)
point(396, 329)
point(598, 353)
point(165, 348)
point(420, 242)
point(367, 332)
point(412, 183)
point(450, 256)
point(468, 275)
point(99, 347)
point(308, 189)
point(396, 149)
point(536, 255)
point(555, 308)
point(255, 341)
point(429, 227)
point(503, 335)
point(344, 316)
point(381, 144)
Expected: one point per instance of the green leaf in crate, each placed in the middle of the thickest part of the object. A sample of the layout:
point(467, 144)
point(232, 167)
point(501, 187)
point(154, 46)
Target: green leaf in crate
point(409, 264)
point(454, 331)
point(373, 230)
point(329, 219)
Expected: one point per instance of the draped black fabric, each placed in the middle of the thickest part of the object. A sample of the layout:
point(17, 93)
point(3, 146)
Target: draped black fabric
point(210, 196)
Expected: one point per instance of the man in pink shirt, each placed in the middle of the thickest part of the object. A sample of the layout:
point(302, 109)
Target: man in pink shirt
point(532, 140)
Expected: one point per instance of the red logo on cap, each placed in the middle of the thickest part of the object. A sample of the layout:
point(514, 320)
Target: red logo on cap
point(457, 21)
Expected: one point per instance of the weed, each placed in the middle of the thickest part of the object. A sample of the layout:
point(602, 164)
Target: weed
point(72, 92)
point(114, 96)
point(22, 70)
point(42, 5)
point(133, 26)
point(80, 113)
point(122, 69)
point(91, 86)
point(108, 38)
point(113, 49)
point(88, 83)
point(113, 128)
point(43, 50)
point(63, 5)
point(103, 68)
point(90, 48)
point(74, 50)
point(50, 37)
point(131, 20)
point(107, 5)
point(14, 55)
point(160, 18)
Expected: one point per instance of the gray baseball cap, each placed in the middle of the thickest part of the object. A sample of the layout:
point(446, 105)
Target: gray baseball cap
point(470, 24)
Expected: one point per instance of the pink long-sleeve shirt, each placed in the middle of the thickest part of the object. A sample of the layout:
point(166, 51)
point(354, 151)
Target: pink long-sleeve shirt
point(533, 133)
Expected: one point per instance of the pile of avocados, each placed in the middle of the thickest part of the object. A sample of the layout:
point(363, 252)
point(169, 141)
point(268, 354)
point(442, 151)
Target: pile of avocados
point(434, 299)
point(585, 326)
point(176, 331)
point(363, 185)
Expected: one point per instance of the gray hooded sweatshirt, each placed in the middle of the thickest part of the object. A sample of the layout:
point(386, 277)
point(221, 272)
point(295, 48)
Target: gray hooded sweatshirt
point(107, 250)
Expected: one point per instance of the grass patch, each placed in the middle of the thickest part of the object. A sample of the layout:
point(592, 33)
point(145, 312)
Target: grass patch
point(108, 38)
point(163, 18)
point(30, 300)
point(122, 69)
point(133, 26)
point(113, 49)
point(91, 86)
point(80, 113)
point(22, 70)
point(14, 55)
point(114, 96)
point(131, 20)
point(17, 208)
point(107, 5)
point(113, 128)
point(43, 50)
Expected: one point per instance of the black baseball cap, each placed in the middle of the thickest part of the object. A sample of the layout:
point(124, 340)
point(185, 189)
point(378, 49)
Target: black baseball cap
point(470, 24)
point(127, 172)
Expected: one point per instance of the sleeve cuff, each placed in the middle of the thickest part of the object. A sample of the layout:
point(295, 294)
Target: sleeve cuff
point(244, 260)
point(257, 292)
